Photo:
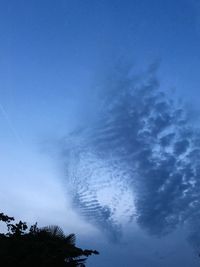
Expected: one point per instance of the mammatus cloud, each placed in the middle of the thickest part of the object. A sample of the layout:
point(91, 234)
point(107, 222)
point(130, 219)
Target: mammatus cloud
point(139, 160)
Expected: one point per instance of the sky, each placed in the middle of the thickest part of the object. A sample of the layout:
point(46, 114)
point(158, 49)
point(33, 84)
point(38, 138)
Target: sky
point(99, 117)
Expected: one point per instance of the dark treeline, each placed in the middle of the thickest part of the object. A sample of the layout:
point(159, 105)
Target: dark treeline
point(41, 247)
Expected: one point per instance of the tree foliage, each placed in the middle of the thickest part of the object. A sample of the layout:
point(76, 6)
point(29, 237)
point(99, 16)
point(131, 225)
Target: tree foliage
point(41, 247)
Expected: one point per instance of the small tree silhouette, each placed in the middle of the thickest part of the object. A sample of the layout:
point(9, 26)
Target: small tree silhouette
point(40, 247)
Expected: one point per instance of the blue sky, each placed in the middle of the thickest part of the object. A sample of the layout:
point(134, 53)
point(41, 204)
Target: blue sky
point(55, 57)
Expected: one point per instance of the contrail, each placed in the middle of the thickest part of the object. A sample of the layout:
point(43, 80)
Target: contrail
point(10, 124)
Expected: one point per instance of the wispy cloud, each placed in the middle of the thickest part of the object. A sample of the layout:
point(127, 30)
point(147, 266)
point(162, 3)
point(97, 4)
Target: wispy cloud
point(10, 124)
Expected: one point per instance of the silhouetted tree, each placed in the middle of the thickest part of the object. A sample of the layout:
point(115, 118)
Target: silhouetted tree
point(40, 247)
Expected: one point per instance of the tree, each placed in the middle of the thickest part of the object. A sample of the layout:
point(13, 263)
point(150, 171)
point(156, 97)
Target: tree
point(40, 247)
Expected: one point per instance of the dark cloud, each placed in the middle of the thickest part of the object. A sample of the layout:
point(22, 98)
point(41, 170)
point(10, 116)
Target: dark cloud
point(139, 159)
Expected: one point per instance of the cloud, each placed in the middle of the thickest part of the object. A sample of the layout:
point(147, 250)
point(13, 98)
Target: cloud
point(143, 152)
